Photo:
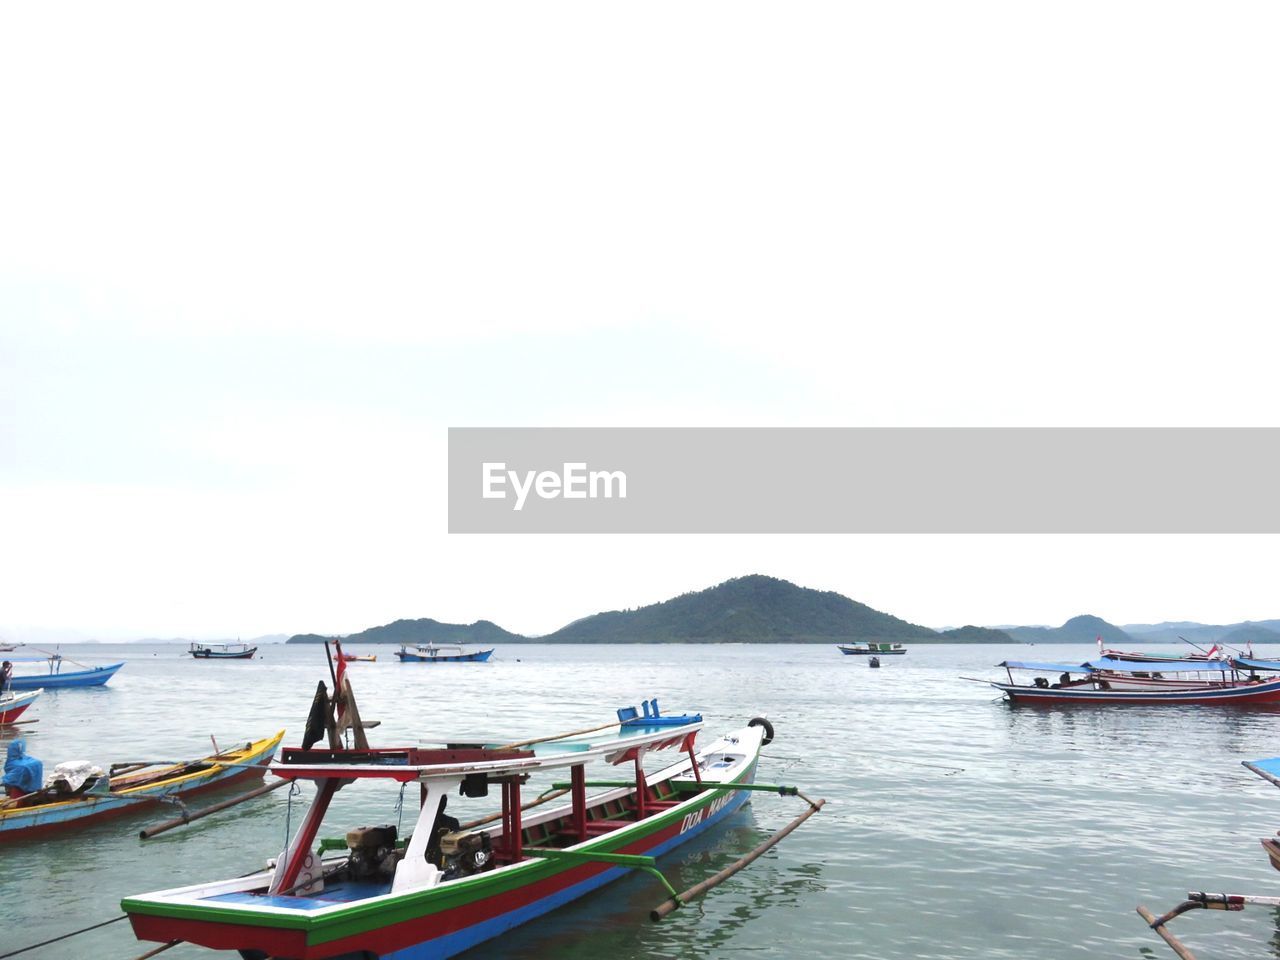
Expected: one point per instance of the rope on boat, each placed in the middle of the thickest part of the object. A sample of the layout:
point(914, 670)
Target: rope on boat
point(65, 936)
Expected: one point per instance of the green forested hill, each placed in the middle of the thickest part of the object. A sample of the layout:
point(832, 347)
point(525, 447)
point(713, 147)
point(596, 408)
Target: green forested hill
point(425, 630)
point(752, 609)
point(972, 634)
point(1082, 629)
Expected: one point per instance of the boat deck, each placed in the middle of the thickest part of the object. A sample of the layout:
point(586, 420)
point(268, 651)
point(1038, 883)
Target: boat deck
point(334, 892)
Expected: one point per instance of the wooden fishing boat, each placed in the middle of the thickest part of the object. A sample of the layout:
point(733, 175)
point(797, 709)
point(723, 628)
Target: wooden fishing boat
point(353, 658)
point(449, 886)
point(57, 678)
point(1217, 683)
point(872, 649)
point(222, 651)
point(131, 787)
point(440, 653)
point(12, 706)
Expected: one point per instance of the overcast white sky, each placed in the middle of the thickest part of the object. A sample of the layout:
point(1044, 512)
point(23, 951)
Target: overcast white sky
point(255, 260)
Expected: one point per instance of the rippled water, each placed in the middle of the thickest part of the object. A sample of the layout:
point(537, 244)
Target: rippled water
point(956, 827)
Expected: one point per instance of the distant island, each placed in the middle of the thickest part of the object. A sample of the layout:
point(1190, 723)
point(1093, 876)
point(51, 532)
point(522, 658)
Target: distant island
point(750, 609)
point(761, 609)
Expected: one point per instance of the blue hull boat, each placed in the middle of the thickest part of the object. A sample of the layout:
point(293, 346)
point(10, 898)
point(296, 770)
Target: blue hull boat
point(95, 677)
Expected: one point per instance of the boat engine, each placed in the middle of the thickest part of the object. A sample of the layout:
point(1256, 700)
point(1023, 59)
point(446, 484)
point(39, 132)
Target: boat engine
point(464, 853)
point(373, 854)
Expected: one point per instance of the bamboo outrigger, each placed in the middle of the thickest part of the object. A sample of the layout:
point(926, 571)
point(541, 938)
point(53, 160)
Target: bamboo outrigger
point(1268, 770)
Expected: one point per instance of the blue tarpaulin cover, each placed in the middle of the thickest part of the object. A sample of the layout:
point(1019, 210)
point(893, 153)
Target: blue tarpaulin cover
point(25, 773)
point(1045, 667)
point(1271, 766)
point(1258, 664)
point(1164, 666)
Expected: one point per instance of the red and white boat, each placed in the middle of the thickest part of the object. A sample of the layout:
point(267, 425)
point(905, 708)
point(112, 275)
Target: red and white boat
point(1203, 682)
point(12, 705)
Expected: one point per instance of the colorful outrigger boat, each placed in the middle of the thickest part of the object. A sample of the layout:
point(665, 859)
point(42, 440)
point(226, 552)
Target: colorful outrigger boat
point(12, 706)
point(440, 653)
point(446, 886)
point(222, 651)
point(1205, 682)
point(131, 787)
point(871, 649)
point(57, 678)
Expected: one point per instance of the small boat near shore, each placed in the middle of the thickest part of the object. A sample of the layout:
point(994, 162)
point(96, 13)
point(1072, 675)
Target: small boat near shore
point(871, 649)
point(87, 794)
point(222, 651)
point(441, 653)
point(13, 705)
point(353, 658)
point(56, 678)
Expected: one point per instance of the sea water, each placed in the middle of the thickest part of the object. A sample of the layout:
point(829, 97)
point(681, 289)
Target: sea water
point(956, 826)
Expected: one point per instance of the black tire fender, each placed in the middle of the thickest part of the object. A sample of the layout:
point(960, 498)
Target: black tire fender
point(768, 729)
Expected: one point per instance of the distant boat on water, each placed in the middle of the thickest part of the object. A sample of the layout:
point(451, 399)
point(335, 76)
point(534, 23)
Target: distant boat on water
point(222, 651)
point(872, 649)
point(441, 653)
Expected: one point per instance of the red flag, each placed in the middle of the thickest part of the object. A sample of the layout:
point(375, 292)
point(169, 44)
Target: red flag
point(1213, 650)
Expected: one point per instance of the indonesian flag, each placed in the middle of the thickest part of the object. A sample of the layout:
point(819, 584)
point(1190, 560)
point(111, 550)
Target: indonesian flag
point(1214, 650)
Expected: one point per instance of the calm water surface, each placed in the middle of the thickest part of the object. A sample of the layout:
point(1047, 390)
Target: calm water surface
point(956, 827)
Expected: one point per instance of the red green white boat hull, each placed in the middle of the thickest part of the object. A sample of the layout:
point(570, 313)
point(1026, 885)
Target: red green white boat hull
point(443, 919)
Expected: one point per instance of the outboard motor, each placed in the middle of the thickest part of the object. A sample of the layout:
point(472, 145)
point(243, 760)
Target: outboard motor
point(464, 853)
point(373, 854)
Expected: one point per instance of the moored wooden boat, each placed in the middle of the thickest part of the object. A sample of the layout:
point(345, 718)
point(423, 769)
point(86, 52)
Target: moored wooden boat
point(1216, 683)
point(12, 705)
point(450, 886)
point(57, 678)
point(222, 651)
point(440, 653)
point(872, 649)
point(139, 787)
point(353, 658)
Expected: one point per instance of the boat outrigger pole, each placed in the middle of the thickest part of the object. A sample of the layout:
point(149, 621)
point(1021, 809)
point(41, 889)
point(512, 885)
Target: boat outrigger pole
point(697, 890)
point(648, 864)
point(1199, 900)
